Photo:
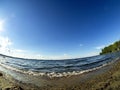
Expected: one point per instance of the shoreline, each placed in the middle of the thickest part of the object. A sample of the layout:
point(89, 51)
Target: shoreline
point(57, 75)
point(84, 81)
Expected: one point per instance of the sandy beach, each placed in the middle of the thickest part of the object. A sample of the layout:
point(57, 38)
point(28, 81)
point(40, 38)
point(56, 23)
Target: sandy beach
point(106, 78)
point(5, 84)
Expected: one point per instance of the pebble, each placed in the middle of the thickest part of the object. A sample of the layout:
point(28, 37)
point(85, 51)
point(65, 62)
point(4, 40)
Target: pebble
point(14, 88)
point(1, 74)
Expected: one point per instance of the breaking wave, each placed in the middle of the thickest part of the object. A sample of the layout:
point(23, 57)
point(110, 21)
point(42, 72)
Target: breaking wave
point(57, 68)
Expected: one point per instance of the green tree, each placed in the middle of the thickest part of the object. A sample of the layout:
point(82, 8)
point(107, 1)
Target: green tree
point(111, 48)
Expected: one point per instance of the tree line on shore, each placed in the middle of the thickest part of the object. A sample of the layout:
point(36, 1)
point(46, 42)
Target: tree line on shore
point(111, 48)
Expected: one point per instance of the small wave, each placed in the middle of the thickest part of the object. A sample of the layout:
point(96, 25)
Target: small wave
point(94, 63)
point(54, 74)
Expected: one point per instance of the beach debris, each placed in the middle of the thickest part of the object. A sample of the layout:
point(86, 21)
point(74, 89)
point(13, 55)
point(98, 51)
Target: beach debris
point(14, 88)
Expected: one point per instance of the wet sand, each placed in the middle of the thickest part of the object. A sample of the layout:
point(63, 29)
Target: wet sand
point(5, 84)
point(106, 78)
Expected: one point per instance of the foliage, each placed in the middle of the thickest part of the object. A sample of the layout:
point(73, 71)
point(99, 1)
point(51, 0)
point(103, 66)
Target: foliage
point(111, 48)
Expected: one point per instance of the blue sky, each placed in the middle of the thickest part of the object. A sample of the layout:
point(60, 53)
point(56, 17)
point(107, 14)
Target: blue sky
point(58, 28)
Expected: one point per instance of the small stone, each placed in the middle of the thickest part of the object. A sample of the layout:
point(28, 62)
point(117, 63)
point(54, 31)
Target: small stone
point(1, 74)
point(7, 89)
point(14, 88)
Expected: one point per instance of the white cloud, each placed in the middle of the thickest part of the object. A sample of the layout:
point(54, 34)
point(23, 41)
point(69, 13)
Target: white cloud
point(6, 48)
point(5, 43)
point(88, 54)
point(58, 57)
point(65, 56)
point(2, 23)
point(100, 47)
point(20, 50)
point(92, 53)
point(38, 56)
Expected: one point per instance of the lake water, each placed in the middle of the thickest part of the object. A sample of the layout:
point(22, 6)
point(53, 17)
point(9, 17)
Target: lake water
point(56, 68)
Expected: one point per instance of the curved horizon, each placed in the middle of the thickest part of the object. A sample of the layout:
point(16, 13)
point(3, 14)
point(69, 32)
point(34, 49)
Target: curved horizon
point(62, 29)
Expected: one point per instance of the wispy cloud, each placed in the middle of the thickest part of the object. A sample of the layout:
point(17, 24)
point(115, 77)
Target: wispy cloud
point(88, 54)
point(20, 50)
point(6, 47)
point(57, 57)
point(5, 42)
point(100, 47)
point(2, 23)
point(92, 53)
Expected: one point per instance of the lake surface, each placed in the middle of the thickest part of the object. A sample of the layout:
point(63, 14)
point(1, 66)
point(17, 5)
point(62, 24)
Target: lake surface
point(56, 68)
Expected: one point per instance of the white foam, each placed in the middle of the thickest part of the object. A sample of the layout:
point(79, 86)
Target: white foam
point(53, 74)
